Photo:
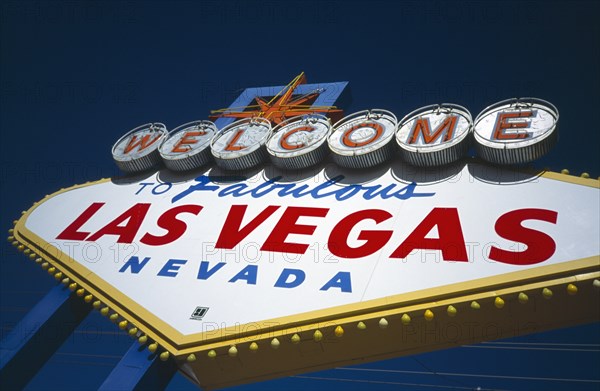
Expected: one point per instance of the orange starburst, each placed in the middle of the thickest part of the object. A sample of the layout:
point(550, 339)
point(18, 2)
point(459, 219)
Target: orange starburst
point(282, 106)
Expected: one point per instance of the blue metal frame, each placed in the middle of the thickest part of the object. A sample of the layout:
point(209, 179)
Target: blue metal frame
point(140, 370)
point(37, 336)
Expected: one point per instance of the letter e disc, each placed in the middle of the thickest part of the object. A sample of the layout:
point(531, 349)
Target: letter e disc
point(516, 131)
point(188, 146)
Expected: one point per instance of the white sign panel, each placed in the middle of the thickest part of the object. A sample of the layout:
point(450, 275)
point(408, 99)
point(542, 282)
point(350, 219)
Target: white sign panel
point(218, 250)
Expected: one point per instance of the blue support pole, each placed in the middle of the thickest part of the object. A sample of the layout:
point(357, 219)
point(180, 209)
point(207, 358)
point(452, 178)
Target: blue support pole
point(140, 370)
point(38, 335)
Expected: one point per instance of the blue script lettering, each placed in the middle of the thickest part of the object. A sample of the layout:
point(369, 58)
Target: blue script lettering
point(205, 183)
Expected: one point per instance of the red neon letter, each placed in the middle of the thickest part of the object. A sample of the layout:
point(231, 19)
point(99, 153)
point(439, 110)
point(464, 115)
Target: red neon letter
point(143, 143)
point(422, 126)
point(231, 145)
point(186, 140)
point(502, 124)
point(126, 233)
point(169, 221)
point(71, 232)
point(338, 240)
point(232, 232)
point(451, 240)
point(540, 246)
point(287, 146)
point(287, 225)
point(352, 144)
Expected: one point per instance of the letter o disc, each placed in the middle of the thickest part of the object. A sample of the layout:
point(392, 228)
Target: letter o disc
point(516, 131)
point(299, 142)
point(363, 139)
point(137, 150)
point(188, 146)
point(435, 135)
point(242, 144)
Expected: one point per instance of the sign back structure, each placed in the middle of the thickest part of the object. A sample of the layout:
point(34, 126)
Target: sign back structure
point(245, 276)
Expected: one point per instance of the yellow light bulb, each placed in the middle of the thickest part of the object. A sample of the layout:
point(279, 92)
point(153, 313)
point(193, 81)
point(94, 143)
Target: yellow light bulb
point(405, 319)
point(275, 343)
point(523, 298)
point(295, 339)
point(451, 311)
point(429, 315)
point(318, 335)
point(232, 351)
point(498, 302)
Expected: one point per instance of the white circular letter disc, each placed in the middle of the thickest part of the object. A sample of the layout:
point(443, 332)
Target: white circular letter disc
point(299, 142)
point(137, 150)
point(435, 135)
point(188, 146)
point(516, 131)
point(363, 139)
point(241, 144)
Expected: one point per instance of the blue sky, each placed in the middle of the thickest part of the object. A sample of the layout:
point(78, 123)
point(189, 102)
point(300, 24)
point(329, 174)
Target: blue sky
point(75, 76)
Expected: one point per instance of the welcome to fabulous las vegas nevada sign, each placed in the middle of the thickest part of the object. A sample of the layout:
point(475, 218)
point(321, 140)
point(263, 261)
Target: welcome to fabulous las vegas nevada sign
point(282, 238)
